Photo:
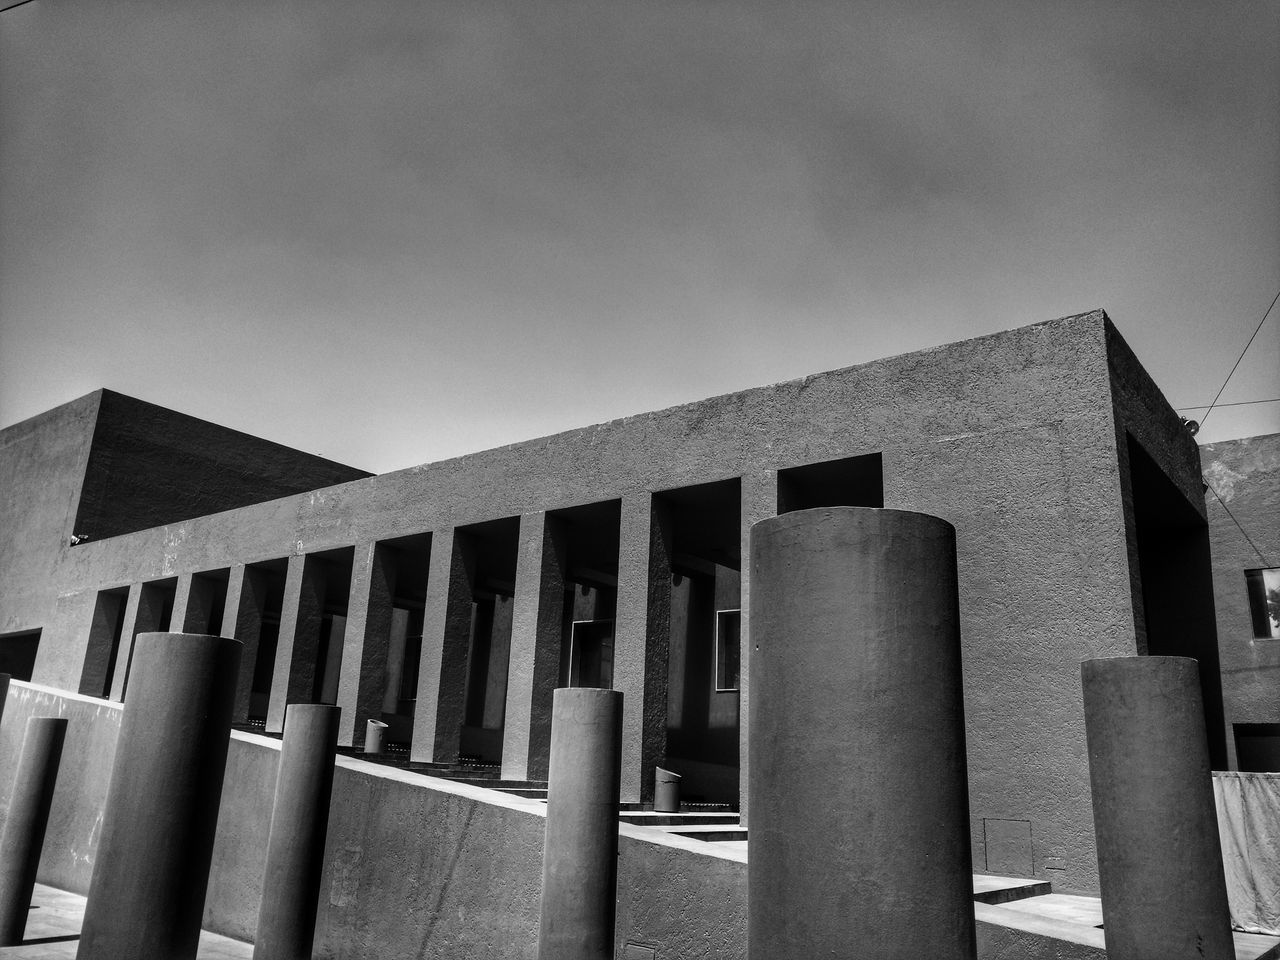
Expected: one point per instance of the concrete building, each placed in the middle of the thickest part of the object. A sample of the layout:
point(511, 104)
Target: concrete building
point(450, 599)
point(1242, 479)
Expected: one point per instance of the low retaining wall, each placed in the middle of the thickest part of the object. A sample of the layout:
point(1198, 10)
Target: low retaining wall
point(414, 867)
point(422, 867)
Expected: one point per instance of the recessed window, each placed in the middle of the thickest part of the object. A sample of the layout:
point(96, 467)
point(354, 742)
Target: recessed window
point(1264, 602)
point(728, 648)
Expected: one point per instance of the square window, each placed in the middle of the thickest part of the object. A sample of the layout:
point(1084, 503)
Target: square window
point(1264, 602)
point(728, 648)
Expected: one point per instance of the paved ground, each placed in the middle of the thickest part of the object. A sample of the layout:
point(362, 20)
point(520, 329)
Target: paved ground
point(53, 931)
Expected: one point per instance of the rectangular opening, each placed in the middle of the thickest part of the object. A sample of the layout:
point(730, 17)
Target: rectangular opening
point(1257, 747)
point(205, 603)
point(104, 642)
point(154, 615)
point(18, 653)
point(728, 649)
point(333, 567)
point(265, 581)
point(849, 482)
point(1263, 587)
point(1176, 576)
point(591, 654)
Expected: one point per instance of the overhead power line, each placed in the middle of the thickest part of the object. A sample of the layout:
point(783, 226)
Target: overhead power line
point(1237, 403)
point(1265, 314)
point(1248, 539)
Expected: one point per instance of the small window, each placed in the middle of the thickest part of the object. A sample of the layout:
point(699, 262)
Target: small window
point(728, 648)
point(1264, 602)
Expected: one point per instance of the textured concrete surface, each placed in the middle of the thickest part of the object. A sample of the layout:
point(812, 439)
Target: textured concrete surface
point(26, 820)
point(151, 866)
point(1012, 438)
point(296, 839)
point(53, 932)
point(1159, 854)
point(1245, 474)
point(416, 867)
point(106, 464)
point(580, 850)
point(860, 827)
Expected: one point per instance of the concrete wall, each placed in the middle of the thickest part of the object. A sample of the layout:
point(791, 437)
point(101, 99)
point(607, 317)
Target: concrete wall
point(42, 464)
point(150, 466)
point(416, 867)
point(1013, 438)
point(107, 464)
point(1246, 475)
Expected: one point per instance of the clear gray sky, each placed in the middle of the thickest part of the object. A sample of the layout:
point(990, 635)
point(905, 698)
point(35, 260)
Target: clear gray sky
point(390, 232)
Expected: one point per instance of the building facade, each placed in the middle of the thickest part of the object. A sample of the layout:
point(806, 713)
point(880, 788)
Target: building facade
point(450, 599)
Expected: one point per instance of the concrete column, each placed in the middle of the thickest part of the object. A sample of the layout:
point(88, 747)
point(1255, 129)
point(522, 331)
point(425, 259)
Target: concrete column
point(151, 869)
point(24, 827)
point(446, 636)
point(759, 502)
point(580, 852)
point(143, 613)
point(293, 679)
point(642, 639)
point(362, 681)
point(99, 657)
point(299, 824)
point(534, 665)
point(124, 650)
point(4, 692)
point(242, 619)
point(859, 840)
point(1159, 854)
point(193, 605)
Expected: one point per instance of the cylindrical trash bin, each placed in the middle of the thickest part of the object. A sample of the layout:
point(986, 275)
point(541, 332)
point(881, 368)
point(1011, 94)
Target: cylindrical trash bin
point(859, 841)
point(1164, 893)
point(373, 737)
point(666, 791)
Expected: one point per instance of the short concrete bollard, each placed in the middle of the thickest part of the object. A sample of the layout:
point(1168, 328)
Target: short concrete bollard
point(1159, 854)
point(24, 828)
point(580, 854)
point(146, 895)
point(373, 737)
point(299, 824)
point(859, 842)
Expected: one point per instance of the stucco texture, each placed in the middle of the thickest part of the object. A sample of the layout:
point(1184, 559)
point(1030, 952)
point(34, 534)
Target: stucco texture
point(1012, 438)
point(1244, 478)
point(421, 868)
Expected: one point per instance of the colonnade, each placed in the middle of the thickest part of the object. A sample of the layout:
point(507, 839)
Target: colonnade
point(641, 637)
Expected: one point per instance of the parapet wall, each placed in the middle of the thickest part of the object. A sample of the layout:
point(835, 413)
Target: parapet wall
point(414, 867)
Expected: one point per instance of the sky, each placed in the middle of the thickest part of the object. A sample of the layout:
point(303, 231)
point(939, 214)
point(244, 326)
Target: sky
point(393, 232)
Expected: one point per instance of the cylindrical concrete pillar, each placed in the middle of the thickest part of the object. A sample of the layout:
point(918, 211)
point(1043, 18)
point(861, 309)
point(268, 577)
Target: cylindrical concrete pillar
point(28, 816)
point(1159, 854)
point(580, 853)
point(859, 840)
point(151, 869)
point(299, 824)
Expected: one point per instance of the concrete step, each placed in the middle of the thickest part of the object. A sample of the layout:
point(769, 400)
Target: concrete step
point(989, 889)
point(710, 832)
point(537, 793)
point(650, 818)
point(493, 783)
